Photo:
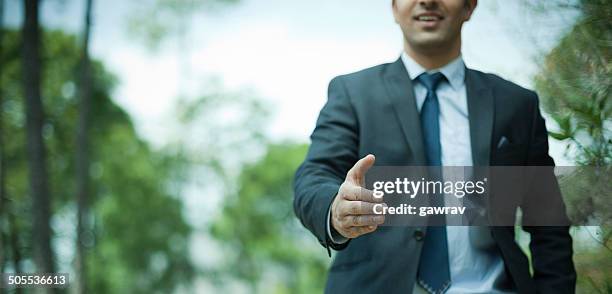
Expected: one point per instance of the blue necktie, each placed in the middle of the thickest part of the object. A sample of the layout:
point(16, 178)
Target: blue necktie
point(434, 272)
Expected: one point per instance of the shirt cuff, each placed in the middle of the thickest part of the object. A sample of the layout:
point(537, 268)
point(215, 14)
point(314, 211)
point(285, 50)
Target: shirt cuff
point(334, 236)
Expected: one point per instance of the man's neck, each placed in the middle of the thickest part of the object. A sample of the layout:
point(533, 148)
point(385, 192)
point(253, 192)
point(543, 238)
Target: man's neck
point(432, 59)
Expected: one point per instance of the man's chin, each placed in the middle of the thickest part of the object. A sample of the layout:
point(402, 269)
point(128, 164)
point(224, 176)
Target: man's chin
point(428, 41)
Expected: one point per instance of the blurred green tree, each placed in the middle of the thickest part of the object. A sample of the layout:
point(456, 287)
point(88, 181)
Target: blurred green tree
point(35, 144)
point(575, 82)
point(264, 244)
point(574, 86)
point(82, 154)
point(3, 215)
point(139, 242)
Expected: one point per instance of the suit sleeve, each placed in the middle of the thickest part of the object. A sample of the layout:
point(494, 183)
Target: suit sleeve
point(551, 246)
point(333, 151)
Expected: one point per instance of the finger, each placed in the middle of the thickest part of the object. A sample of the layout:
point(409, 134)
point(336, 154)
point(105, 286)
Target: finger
point(363, 220)
point(356, 208)
point(357, 193)
point(358, 171)
point(358, 231)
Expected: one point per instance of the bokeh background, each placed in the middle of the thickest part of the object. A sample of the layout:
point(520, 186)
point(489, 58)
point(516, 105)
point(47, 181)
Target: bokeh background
point(149, 146)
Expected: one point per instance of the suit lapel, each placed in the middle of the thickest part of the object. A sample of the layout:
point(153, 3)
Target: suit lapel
point(481, 110)
point(401, 95)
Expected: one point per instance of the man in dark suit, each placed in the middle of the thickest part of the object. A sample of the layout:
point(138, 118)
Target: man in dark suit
point(425, 109)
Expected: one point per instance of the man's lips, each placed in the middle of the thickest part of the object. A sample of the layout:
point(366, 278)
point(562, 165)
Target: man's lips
point(428, 17)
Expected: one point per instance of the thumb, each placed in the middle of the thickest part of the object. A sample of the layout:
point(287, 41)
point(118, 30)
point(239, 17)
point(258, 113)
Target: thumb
point(357, 173)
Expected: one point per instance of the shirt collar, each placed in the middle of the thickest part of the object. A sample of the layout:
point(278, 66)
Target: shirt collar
point(454, 71)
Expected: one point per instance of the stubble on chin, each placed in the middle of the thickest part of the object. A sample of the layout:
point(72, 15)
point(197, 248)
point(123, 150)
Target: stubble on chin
point(427, 42)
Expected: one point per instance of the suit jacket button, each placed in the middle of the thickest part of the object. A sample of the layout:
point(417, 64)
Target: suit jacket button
point(419, 234)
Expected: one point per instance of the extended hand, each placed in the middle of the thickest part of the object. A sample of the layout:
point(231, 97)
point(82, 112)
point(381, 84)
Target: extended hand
point(352, 212)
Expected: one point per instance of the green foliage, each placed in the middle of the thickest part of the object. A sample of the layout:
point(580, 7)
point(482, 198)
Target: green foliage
point(140, 239)
point(594, 269)
point(586, 193)
point(261, 236)
point(574, 86)
point(575, 82)
point(220, 131)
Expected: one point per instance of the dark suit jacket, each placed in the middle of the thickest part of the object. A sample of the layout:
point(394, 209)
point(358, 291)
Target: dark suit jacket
point(374, 111)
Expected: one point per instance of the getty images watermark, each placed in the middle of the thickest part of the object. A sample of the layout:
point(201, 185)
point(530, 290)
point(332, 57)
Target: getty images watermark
point(490, 196)
point(435, 188)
